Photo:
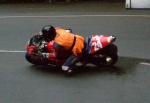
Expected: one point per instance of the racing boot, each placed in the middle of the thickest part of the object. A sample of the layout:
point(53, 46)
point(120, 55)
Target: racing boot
point(67, 70)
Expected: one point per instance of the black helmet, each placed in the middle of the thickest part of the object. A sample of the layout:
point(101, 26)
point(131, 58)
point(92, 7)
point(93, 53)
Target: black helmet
point(48, 32)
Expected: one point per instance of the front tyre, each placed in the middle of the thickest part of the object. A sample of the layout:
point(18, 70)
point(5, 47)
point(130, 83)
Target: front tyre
point(29, 59)
point(36, 60)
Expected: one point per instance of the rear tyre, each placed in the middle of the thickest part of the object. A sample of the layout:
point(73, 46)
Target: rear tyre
point(107, 56)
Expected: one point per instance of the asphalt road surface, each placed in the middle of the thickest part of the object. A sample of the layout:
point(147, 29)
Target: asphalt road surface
point(127, 82)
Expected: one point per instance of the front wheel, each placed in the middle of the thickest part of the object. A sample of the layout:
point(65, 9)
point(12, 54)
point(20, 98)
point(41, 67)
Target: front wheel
point(28, 58)
point(36, 60)
point(108, 56)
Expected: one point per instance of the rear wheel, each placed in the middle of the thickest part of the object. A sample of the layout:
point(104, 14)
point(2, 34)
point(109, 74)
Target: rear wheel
point(107, 56)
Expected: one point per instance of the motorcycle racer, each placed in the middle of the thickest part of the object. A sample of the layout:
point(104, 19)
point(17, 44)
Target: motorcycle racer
point(59, 47)
point(65, 44)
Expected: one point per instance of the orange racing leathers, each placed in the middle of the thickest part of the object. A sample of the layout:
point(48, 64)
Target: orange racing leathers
point(69, 41)
point(66, 43)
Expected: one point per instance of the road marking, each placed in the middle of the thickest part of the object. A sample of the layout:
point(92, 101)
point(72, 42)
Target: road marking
point(144, 63)
point(12, 51)
point(68, 16)
point(21, 51)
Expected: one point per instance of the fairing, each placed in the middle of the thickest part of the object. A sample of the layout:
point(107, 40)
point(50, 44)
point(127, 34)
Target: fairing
point(99, 41)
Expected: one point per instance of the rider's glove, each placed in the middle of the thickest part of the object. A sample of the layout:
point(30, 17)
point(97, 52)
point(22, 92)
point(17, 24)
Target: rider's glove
point(43, 45)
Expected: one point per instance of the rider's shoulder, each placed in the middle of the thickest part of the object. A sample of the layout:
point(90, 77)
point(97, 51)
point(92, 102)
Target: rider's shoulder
point(59, 28)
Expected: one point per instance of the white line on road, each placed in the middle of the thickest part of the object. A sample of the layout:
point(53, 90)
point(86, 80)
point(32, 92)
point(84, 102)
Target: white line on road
point(68, 16)
point(12, 51)
point(144, 63)
point(21, 51)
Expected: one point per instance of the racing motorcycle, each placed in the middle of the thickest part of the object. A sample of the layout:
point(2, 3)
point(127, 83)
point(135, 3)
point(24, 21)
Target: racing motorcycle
point(99, 50)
